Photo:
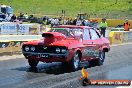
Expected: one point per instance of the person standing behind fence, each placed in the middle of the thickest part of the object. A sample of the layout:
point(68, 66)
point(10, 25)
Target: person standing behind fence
point(126, 25)
point(56, 22)
point(78, 22)
point(103, 26)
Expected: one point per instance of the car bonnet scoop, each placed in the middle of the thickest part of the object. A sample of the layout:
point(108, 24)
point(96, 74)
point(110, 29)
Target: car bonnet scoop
point(48, 38)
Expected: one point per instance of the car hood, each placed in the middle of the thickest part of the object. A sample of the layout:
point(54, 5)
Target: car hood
point(65, 42)
point(34, 42)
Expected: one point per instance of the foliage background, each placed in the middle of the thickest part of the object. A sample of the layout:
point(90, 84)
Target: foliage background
point(119, 9)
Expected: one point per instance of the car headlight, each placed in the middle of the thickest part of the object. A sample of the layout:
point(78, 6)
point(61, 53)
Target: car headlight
point(58, 50)
point(32, 48)
point(26, 48)
point(63, 50)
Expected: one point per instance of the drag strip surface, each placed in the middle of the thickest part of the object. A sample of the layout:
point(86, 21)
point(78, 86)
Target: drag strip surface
point(15, 73)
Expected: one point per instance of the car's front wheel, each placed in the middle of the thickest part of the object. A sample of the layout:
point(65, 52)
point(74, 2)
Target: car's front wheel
point(33, 63)
point(76, 60)
point(73, 65)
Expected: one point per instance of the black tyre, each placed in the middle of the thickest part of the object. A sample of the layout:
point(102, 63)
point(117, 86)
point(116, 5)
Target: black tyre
point(98, 61)
point(74, 64)
point(33, 63)
point(101, 58)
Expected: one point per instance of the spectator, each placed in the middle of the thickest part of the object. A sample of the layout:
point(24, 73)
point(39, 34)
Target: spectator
point(21, 16)
point(71, 22)
point(79, 22)
point(2, 17)
point(9, 10)
point(3, 8)
point(31, 17)
point(60, 20)
point(8, 17)
point(126, 25)
point(46, 22)
point(56, 22)
point(83, 22)
point(65, 21)
point(68, 21)
point(44, 18)
point(26, 16)
point(52, 22)
point(13, 18)
point(87, 23)
point(74, 21)
point(103, 26)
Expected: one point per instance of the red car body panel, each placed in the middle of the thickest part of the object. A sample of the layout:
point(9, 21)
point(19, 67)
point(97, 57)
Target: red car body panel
point(88, 48)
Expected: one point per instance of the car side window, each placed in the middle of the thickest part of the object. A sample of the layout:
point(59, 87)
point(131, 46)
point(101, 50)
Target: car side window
point(86, 34)
point(94, 34)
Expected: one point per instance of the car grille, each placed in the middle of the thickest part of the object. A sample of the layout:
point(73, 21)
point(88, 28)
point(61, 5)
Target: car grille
point(43, 49)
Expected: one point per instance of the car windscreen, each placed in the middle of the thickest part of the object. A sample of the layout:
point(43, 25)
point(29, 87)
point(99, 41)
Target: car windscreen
point(69, 32)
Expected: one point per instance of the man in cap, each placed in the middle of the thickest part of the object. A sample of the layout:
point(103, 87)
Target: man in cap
point(103, 26)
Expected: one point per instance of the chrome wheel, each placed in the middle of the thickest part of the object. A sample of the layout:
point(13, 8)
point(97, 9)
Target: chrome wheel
point(101, 58)
point(76, 61)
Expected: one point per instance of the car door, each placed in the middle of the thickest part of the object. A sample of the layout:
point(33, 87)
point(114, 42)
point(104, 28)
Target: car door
point(92, 44)
point(96, 41)
point(87, 44)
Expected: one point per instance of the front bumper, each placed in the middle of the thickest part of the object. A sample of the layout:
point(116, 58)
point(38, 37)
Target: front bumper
point(46, 57)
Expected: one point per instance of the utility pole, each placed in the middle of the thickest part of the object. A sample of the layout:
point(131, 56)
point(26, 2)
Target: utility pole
point(116, 1)
point(81, 7)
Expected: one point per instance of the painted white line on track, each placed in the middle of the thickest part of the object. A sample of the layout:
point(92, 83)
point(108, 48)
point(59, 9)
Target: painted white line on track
point(3, 58)
point(125, 86)
point(121, 44)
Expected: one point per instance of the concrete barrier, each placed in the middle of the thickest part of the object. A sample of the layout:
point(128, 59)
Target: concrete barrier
point(5, 47)
point(117, 29)
point(13, 28)
point(13, 43)
point(11, 47)
point(118, 37)
point(127, 36)
point(20, 37)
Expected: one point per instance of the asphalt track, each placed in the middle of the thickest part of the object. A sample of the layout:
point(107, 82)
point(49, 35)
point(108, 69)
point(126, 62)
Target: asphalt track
point(15, 72)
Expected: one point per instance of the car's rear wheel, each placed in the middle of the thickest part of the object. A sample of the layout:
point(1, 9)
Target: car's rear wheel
point(99, 61)
point(33, 63)
point(101, 58)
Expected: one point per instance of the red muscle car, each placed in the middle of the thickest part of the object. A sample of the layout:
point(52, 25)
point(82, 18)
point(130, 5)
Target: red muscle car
point(71, 45)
